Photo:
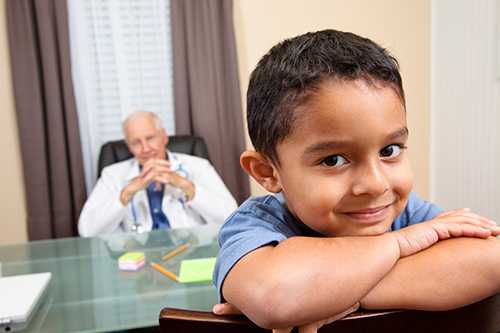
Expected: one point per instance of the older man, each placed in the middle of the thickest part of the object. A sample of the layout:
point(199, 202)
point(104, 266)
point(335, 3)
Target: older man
point(154, 189)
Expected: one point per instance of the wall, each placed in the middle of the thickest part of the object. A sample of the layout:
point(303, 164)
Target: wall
point(466, 105)
point(12, 200)
point(403, 27)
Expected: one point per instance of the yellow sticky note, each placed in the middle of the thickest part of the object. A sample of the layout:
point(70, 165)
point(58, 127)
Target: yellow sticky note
point(196, 270)
point(132, 257)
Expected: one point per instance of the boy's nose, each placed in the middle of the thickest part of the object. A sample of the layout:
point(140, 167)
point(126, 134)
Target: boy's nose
point(371, 180)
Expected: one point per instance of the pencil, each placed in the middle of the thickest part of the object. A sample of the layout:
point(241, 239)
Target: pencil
point(176, 251)
point(165, 272)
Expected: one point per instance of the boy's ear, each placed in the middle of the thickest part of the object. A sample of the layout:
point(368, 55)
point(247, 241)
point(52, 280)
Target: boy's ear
point(260, 169)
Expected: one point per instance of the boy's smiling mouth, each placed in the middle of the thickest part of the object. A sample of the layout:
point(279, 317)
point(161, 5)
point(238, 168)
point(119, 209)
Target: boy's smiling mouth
point(370, 215)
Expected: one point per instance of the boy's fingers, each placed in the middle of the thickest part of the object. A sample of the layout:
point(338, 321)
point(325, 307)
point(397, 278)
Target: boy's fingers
point(466, 212)
point(453, 211)
point(309, 328)
point(225, 309)
point(465, 227)
point(284, 330)
point(352, 309)
point(478, 217)
point(314, 327)
point(464, 230)
point(495, 231)
point(470, 218)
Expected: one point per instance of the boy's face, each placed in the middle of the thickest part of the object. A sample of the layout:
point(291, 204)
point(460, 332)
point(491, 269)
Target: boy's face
point(344, 169)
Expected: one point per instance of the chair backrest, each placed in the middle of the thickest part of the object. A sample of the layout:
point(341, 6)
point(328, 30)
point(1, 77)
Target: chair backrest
point(117, 151)
point(188, 321)
point(482, 316)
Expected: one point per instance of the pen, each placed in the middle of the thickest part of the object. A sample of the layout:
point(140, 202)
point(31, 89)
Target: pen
point(165, 272)
point(175, 252)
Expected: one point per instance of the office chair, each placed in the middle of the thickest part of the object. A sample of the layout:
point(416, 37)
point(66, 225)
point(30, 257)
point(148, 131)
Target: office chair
point(117, 151)
point(483, 316)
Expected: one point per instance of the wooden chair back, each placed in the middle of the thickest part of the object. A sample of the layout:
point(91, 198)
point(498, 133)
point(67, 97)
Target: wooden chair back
point(481, 317)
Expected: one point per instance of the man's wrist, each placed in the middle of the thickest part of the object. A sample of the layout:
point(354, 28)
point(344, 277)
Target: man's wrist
point(125, 196)
point(188, 189)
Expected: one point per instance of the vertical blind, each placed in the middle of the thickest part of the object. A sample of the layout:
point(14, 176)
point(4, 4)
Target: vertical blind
point(121, 57)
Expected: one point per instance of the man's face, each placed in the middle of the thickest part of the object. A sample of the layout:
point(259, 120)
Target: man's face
point(344, 169)
point(144, 140)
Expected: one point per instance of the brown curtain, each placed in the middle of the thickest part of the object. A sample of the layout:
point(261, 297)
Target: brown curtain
point(206, 84)
point(46, 116)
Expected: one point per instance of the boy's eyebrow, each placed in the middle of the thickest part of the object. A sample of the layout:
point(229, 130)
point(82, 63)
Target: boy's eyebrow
point(403, 132)
point(324, 146)
point(333, 145)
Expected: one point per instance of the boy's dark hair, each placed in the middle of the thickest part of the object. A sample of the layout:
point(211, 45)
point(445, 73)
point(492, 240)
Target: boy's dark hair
point(287, 75)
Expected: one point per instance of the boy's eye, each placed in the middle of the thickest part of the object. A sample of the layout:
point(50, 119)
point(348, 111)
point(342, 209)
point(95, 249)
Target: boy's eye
point(391, 151)
point(334, 161)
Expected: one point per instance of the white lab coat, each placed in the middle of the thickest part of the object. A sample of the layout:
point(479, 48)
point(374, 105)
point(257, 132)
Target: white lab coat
point(104, 213)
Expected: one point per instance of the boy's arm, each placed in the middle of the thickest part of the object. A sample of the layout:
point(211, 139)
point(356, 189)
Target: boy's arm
point(303, 279)
point(447, 275)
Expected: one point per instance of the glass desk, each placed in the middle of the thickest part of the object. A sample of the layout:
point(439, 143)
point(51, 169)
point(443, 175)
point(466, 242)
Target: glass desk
point(88, 293)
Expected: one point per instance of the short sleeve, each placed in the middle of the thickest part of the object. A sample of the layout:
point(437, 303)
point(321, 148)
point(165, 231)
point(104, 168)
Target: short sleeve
point(416, 211)
point(248, 229)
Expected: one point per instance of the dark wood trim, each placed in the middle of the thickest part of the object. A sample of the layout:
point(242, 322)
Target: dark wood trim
point(481, 317)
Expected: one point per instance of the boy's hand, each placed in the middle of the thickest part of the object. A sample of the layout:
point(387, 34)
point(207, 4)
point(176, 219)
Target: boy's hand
point(222, 309)
point(229, 309)
point(455, 223)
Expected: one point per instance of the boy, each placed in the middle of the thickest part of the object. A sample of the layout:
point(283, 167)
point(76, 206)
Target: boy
point(326, 115)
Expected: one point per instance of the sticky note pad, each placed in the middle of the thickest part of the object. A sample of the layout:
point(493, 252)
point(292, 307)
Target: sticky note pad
point(197, 270)
point(131, 261)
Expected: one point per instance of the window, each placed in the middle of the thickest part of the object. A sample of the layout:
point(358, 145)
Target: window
point(121, 58)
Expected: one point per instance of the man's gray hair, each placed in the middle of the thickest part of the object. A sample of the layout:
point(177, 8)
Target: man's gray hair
point(137, 114)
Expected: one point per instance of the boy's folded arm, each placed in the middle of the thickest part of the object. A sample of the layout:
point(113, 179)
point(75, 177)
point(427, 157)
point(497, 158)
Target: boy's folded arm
point(448, 275)
point(303, 279)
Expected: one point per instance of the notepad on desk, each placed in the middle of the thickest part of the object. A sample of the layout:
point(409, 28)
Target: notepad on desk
point(131, 261)
point(20, 296)
point(196, 270)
